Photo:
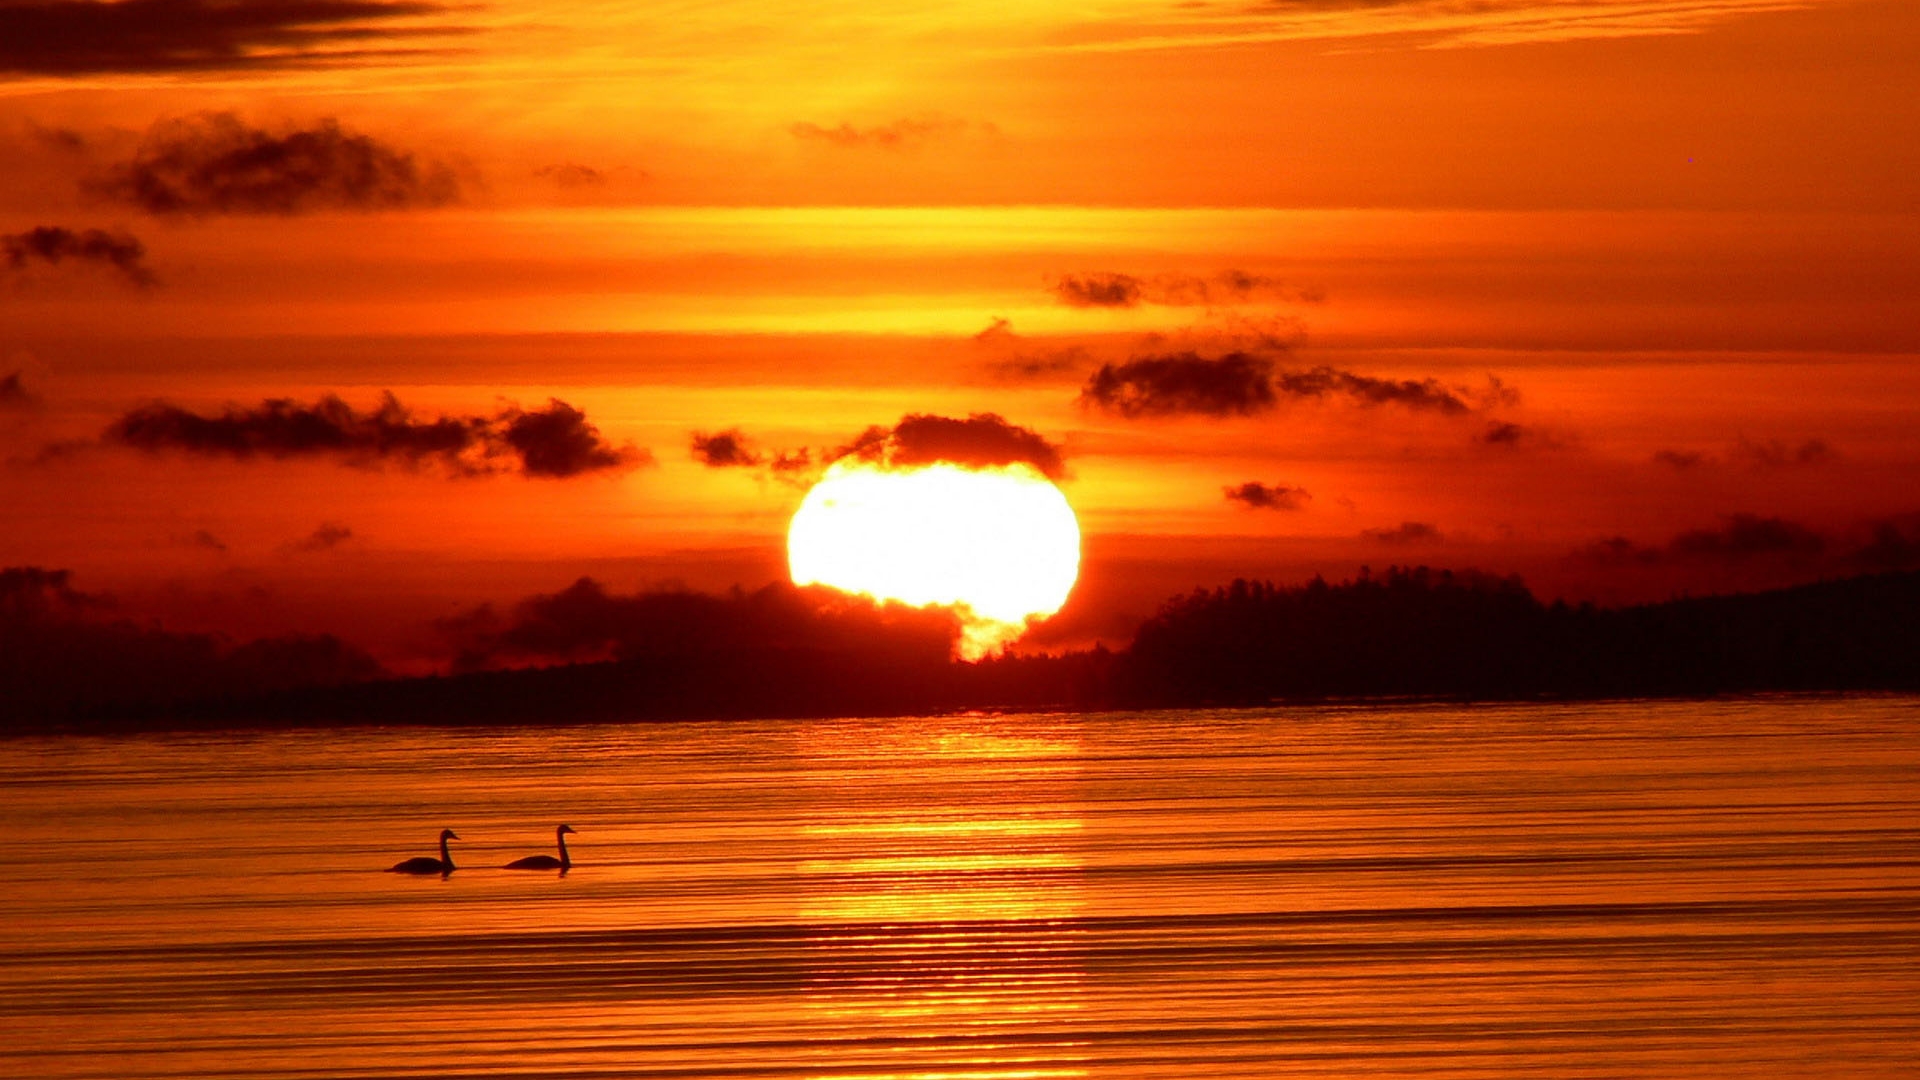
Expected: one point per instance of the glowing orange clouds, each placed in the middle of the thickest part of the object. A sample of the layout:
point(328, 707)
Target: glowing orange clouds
point(1000, 544)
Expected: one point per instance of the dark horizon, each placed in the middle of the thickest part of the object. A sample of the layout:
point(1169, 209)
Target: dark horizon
point(586, 654)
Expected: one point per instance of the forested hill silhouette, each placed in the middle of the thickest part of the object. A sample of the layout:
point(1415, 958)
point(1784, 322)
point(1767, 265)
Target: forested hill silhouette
point(1413, 632)
point(1464, 634)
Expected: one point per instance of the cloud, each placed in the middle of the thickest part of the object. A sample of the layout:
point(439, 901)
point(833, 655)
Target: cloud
point(725, 450)
point(558, 442)
point(998, 331)
point(1256, 495)
point(1745, 536)
point(1775, 454)
point(1407, 532)
point(1892, 544)
point(906, 134)
point(1618, 551)
point(1679, 460)
point(1431, 24)
point(982, 440)
point(52, 244)
point(215, 164)
point(1739, 537)
point(204, 540)
point(14, 393)
point(1235, 384)
point(1106, 289)
point(553, 442)
point(327, 536)
point(1059, 365)
point(585, 622)
point(572, 176)
point(1099, 290)
point(33, 593)
point(1419, 394)
point(83, 37)
point(1502, 433)
point(1244, 383)
point(59, 654)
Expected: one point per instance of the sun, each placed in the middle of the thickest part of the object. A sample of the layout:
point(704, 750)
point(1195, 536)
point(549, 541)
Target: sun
point(998, 544)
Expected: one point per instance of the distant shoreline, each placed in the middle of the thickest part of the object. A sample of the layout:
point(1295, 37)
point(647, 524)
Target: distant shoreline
point(1411, 636)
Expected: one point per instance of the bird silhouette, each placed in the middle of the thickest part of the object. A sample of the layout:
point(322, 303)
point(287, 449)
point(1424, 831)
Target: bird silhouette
point(426, 864)
point(547, 862)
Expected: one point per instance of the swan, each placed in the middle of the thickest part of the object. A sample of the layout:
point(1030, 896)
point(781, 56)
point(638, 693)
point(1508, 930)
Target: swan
point(547, 862)
point(424, 864)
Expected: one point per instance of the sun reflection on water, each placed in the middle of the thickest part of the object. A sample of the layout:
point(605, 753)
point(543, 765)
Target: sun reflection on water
point(947, 898)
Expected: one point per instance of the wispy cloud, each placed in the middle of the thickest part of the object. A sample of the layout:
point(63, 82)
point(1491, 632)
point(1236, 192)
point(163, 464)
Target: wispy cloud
point(905, 134)
point(1430, 24)
point(83, 37)
point(1111, 290)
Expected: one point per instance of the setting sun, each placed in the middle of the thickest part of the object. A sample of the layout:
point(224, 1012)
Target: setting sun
point(1000, 544)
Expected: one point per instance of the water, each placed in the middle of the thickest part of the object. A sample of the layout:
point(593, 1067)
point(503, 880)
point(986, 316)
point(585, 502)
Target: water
point(1631, 890)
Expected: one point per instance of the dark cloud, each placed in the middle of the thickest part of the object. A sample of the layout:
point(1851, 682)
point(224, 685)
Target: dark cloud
point(553, 442)
point(1744, 536)
point(1892, 544)
point(1497, 394)
point(325, 537)
point(32, 593)
point(899, 135)
point(215, 163)
point(982, 440)
point(726, 450)
point(1243, 383)
point(1619, 551)
point(1235, 384)
point(585, 622)
point(1681, 460)
point(1420, 394)
point(558, 442)
point(52, 244)
point(1502, 433)
point(201, 538)
point(998, 331)
point(81, 37)
point(1407, 532)
point(1775, 454)
point(1261, 496)
point(14, 393)
point(1099, 290)
point(1107, 289)
point(60, 140)
point(59, 653)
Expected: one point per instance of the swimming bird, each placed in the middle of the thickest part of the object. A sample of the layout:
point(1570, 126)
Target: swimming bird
point(547, 862)
point(424, 864)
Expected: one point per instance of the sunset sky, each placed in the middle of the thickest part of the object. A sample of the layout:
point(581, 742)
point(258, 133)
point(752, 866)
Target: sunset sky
point(1622, 296)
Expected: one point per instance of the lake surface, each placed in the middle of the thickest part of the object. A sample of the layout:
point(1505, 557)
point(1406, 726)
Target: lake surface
point(1619, 890)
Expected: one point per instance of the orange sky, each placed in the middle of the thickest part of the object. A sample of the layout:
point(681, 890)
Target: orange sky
point(1616, 294)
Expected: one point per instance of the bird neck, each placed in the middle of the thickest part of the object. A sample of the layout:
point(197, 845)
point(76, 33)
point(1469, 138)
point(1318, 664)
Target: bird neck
point(564, 861)
point(446, 857)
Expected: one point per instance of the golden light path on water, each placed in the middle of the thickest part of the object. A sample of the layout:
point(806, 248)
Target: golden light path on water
point(999, 544)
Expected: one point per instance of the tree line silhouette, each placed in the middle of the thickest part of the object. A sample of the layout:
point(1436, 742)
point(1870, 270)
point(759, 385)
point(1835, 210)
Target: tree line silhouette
point(1409, 632)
